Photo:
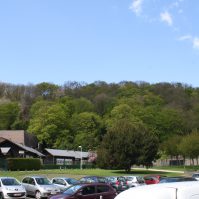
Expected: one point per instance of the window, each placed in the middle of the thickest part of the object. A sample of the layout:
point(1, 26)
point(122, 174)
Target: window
point(88, 190)
point(31, 181)
point(61, 182)
point(25, 180)
point(102, 188)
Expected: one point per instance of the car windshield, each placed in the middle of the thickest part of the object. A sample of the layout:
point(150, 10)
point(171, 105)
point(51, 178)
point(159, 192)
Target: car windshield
point(43, 181)
point(10, 182)
point(71, 190)
point(72, 181)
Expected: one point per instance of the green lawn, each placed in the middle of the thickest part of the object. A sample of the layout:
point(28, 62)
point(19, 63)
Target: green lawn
point(77, 173)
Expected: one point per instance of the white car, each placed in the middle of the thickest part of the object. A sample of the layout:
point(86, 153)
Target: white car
point(134, 181)
point(196, 176)
point(11, 188)
point(176, 190)
point(64, 182)
point(39, 187)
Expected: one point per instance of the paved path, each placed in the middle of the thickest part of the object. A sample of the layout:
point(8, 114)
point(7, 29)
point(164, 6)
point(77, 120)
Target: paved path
point(162, 170)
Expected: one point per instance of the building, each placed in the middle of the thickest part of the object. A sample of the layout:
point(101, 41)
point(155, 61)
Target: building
point(10, 149)
point(64, 157)
point(20, 137)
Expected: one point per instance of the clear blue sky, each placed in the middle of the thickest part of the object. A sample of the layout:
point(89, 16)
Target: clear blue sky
point(107, 40)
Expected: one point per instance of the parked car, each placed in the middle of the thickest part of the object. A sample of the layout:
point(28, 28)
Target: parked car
point(118, 183)
point(153, 179)
point(63, 182)
point(87, 191)
point(134, 181)
point(177, 190)
point(11, 188)
point(39, 186)
point(196, 176)
point(91, 179)
point(176, 179)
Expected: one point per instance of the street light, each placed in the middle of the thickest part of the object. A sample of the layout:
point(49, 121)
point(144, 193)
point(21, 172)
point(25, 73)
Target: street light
point(81, 157)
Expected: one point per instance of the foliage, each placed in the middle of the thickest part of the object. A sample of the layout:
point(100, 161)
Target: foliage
point(127, 141)
point(78, 113)
point(15, 164)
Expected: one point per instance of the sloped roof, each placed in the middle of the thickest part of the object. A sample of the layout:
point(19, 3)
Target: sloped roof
point(26, 148)
point(67, 153)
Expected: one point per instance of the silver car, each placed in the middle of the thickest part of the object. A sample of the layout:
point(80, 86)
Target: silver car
point(134, 181)
point(64, 182)
point(39, 186)
point(11, 188)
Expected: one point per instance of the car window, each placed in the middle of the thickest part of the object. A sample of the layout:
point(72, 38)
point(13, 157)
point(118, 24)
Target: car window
point(54, 181)
point(88, 190)
point(102, 188)
point(129, 178)
point(61, 182)
point(71, 190)
point(31, 181)
point(9, 182)
point(71, 181)
point(42, 181)
point(25, 180)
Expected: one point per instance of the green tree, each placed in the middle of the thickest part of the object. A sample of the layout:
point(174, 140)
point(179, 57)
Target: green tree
point(189, 146)
point(87, 130)
point(49, 122)
point(127, 141)
point(9, 112)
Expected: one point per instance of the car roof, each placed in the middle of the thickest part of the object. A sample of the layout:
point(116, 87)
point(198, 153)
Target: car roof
point(160, 191)
point(7, 177)
point(35, 177)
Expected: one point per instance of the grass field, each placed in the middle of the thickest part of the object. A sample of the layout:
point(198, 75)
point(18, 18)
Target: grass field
point(77, 173)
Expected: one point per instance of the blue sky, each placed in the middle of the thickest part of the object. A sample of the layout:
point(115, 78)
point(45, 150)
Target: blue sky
point(108, 40)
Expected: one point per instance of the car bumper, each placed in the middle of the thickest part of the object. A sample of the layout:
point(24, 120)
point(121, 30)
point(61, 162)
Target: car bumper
point(15, 195)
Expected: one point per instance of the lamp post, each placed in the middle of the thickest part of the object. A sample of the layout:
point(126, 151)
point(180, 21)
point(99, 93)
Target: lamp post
point(80, 157)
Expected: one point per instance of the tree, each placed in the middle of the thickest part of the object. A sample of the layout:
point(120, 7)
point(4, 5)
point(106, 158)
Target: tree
point(189, 146)
point(87, 130)
point(126, 142)
point(9, 112)
point(49, 122)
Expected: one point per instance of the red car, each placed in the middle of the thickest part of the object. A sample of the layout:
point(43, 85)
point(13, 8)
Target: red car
point(87, 191)
point(152, 179)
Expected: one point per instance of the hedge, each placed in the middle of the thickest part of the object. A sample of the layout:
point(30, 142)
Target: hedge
point(22, 164)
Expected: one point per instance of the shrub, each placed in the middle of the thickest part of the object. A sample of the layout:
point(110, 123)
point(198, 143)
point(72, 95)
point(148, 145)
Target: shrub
point(15, 164)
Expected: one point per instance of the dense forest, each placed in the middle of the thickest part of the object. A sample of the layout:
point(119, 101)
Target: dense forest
point(150, 116)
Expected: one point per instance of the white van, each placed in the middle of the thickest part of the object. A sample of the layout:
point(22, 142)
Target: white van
point(176, 190)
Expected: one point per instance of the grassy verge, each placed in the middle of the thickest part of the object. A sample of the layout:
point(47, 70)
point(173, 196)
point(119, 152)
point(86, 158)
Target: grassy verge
point(179, 168)
point(77, 173)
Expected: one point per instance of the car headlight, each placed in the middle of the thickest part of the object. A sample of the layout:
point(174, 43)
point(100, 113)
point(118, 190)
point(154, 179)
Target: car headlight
point(8, 189)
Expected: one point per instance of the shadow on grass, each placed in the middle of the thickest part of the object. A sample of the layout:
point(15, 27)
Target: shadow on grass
point(140, 172)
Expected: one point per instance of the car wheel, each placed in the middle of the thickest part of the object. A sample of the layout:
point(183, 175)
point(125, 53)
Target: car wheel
point(38, 195)
point(1, 196)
